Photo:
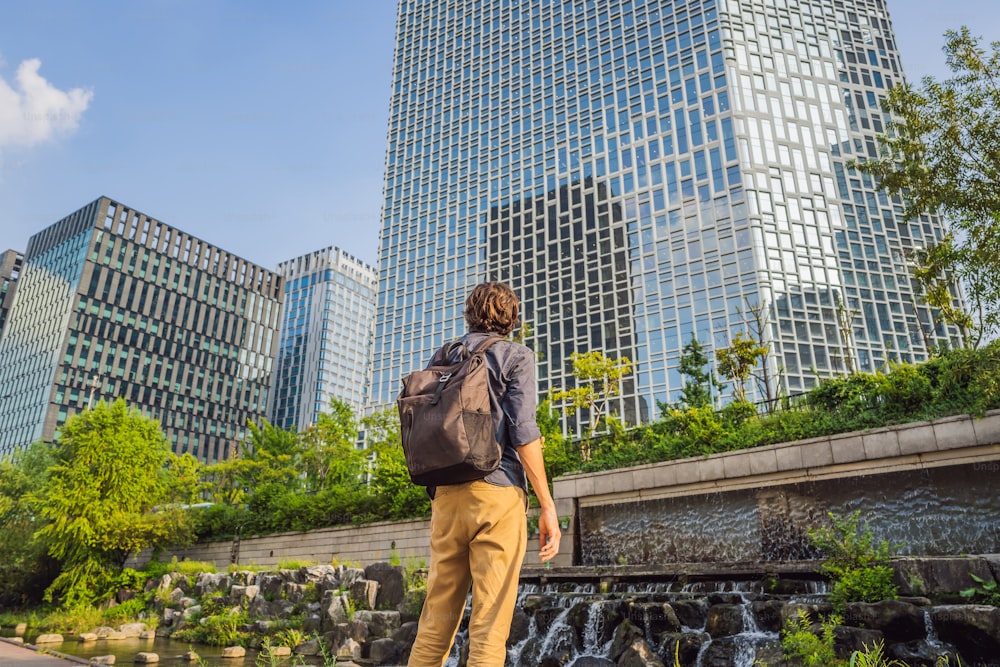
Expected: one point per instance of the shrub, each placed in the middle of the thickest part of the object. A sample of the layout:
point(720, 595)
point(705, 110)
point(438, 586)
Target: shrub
point(856, 563)
point(799, 641)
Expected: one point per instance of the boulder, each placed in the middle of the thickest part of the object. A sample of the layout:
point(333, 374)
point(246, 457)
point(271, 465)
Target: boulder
point(380, 623)
point(685, 646)
point(922, 653)
point(147, 635)
point(847, 639)
point(87, 637)
point(293, 592)
point(391, 581)
point(211, 582)
point(310, 647)
point(898, 621)
point(639, 654)
point(147, 658)
point(944, 576)
point(625, 635)
point(767, 615)
point(691, 613)
point(384, 652)
point(724, 620)
point(520, 626)
point(364, 593)
point(20, 629)
point(407, 634)
point(333, 609)
point(190, 656)
point(314, 574)
point(973, 629)
point(50, 638)
point(279, 651)
point(350, 650)
point(131, 630)
point(654, 617)
point(103, 660)
point(234, 652)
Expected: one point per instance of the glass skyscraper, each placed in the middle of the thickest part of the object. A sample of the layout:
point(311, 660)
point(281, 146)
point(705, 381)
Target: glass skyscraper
point(325, 336)
point(641, 172)
point(111, 303)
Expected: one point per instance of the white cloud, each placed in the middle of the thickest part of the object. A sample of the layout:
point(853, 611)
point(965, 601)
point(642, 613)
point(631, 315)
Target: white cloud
point(35, 111)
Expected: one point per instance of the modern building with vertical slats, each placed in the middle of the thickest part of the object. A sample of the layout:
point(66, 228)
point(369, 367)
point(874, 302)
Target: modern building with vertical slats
point(643, 172)
point(325, 337)
point(111, 303)
point(10, 269)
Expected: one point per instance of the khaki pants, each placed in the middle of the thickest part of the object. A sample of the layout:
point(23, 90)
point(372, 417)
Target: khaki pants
point(478, 538)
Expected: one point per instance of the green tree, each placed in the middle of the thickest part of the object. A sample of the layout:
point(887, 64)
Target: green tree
point(331, 456)
point(26, 570)
point(736, 362)
point(98, 503)
point(697, 393)
point(598, 378)
point(395, 495)
point(941, 153)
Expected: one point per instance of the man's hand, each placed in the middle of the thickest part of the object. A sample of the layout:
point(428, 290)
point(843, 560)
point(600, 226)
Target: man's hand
point(548, 534)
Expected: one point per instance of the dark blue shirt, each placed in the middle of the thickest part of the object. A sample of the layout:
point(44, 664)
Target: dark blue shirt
point(513, 401)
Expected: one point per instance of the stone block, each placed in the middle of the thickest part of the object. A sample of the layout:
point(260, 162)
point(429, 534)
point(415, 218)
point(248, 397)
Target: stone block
point(564, 488)
point(954, 433)
point(763, 462)
point(816, 454)
point(622, 481)
point(735, 465)
point(987, 429)
point(665, 474)
point(847, 449)
point(644, 478)
point(711, 469)
point(687, 472)
point(789, 458)
point(916, 439)
point(234, 652)
point(603, 483)
point(50, 638)
point(149, 658)
point(103, 659)
point(880, 444)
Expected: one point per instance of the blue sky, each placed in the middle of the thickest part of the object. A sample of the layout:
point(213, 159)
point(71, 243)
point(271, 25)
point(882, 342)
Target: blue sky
point(257, 126)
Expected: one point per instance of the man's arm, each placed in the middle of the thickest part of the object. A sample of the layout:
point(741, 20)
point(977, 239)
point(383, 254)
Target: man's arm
point(548, 521)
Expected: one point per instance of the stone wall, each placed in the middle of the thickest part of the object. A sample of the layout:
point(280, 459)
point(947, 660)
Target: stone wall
point(776, 478)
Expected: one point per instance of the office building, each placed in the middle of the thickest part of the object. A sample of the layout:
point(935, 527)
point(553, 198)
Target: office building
point(10, 269)
point(112, 303)
point(642, 172)
point(325, 337)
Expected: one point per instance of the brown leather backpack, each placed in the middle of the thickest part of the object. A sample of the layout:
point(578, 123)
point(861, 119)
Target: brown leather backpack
point(446, 424)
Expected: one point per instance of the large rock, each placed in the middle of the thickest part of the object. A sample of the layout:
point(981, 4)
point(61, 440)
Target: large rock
point(973, 629)
point(898, 621)
point(333, 609)
point(103, 659)
point(520, 626)
point(86, 637)
point(234, 652)
point(131, 630)
point(315, 574)
point(724, 620)
point(49, 638)
point(625, 634)
point(384, 652)
point(685, 646)
point(654, 617)
point(391, 584)
point(847, 640)
point(350, 650)
point(364, 594)
point(147, 658)
point(946, 576)
point(767, 615)
point(594, 622)
point(211, 582)
point(691, 613)
point(639, 654)
point(241, 595)
point(380, 623)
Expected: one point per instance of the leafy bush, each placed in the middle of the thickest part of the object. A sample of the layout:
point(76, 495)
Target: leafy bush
point(130, 610)
point(857, 564)
point(984, 592)
point(801, 642)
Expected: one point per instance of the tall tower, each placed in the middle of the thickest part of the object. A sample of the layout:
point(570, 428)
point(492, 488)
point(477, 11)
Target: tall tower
point(325, 336)
point(10, 269)
point(111, 303)
point(643, 172)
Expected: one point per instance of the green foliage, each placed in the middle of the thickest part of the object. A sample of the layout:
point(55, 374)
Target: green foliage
point(221, 629)
point(26, 569)
point(130, 610)
point(598, 378)
point(940, 154)
point(736, 362)
point(813, 647)
point(874, 656)
point(984, 592)
point(697, 392)
point(98, 503)
point(856, 563)
point(560, 455)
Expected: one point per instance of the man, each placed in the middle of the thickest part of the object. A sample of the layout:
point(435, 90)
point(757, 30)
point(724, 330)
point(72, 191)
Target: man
point(478, 529)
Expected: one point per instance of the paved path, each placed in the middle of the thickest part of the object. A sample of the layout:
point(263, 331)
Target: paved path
point(15, 655)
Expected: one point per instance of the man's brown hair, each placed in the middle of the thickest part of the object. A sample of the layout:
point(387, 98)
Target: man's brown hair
point(492, 307)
